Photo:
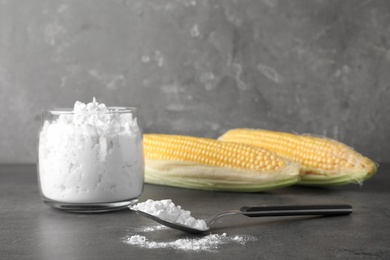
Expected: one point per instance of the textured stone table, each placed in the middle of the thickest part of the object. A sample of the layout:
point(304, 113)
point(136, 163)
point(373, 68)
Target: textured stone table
point(31, 230)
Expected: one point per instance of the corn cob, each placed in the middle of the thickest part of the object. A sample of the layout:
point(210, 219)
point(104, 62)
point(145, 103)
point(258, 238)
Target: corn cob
point(323, 161)
point(203, 163)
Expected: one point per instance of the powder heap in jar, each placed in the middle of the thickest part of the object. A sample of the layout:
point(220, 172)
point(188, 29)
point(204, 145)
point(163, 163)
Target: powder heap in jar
point(167, 210)
point(92, 154)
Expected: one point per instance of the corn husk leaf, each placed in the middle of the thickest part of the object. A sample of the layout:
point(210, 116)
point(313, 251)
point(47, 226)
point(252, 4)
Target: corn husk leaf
point(199, 176)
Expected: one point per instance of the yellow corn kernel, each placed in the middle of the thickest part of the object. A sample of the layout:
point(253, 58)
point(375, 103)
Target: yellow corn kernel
point(322, 160)
point(210, 152)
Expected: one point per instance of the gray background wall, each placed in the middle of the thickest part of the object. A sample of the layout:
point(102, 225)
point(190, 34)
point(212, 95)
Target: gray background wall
point(200, 67)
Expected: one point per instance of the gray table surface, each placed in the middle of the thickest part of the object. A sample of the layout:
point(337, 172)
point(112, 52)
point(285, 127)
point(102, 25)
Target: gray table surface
point(29, 229)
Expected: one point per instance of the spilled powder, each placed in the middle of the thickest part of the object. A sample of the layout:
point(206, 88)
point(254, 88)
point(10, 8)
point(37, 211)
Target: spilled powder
point(209, 242)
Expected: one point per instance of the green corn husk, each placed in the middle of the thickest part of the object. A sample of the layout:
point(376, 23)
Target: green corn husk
point(198, 176)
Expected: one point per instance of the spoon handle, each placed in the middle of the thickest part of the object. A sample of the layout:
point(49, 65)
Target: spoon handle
point(297, 210)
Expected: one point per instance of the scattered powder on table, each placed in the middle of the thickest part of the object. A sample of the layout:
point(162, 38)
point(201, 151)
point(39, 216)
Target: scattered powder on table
point(209, 242)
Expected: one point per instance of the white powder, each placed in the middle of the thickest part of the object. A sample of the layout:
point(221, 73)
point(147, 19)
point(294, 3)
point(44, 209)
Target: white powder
point(167, 210)
point(209, 242)
point(91, 155)
point(152, 228)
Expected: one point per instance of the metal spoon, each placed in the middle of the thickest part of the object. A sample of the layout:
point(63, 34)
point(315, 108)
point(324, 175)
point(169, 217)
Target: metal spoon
point(260, 211)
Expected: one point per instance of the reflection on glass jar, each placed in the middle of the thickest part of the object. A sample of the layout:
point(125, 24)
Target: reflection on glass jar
point(90, 158)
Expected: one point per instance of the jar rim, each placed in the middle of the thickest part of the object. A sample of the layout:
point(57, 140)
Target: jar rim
point(111, 110)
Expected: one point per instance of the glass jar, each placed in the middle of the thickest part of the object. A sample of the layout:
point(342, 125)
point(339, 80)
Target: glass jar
point(90, 162)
